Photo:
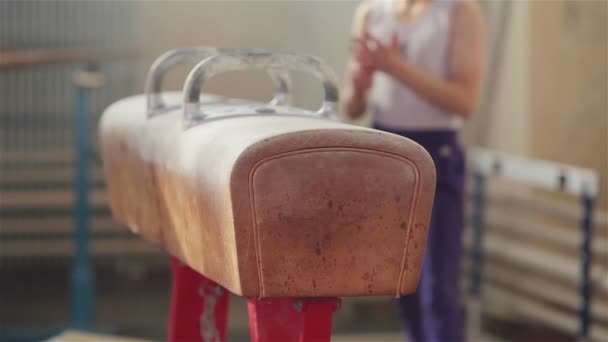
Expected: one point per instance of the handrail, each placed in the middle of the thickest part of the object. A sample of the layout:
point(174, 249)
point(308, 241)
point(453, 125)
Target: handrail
point(23, 59)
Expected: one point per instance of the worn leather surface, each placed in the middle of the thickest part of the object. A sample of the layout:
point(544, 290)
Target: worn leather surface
point(276, 206)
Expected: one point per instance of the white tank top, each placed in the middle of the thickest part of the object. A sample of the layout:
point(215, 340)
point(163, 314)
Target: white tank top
point(425, 44)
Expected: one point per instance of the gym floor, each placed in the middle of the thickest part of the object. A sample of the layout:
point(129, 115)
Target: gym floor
point(133, 304)
point(138, 307)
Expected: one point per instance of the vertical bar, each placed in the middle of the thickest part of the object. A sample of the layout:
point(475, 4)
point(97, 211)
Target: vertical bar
point(82, 282)
point(291, 319)
point(10, 108)
point(478, 222)
point(474, 302)
point(199, 307)
point(587, 202)
point(4, 34)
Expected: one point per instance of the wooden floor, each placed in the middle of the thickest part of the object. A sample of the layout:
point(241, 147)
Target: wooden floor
point(77, 336)
point(133, 304)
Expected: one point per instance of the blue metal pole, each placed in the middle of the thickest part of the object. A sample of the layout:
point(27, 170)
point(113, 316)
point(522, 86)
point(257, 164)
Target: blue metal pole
point(474, 299)
point(479, 202)
point(586, 257)
point(82, 276)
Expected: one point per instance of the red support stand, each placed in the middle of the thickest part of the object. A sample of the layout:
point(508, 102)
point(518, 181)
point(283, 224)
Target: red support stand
point(199, 312)
point(291, 320)
point(199, 307)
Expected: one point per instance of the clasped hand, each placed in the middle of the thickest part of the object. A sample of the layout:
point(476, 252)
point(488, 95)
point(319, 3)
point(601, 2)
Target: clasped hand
point(373, 55)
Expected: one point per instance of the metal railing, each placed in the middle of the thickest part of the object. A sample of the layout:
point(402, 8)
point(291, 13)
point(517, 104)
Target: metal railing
point(559, 268)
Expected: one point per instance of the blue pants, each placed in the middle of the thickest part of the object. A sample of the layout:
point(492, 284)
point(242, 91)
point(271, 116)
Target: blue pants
point(433, 314)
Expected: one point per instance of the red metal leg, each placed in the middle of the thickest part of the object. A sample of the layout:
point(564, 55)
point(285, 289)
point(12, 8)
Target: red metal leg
point(199, 307)
point(291, 320)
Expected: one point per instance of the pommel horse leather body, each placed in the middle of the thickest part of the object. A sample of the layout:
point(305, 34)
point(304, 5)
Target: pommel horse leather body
point(267, 200)
point(279, 206)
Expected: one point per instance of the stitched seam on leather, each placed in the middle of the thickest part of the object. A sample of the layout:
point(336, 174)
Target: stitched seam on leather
point(410, 228)
point(255, 227)
point(328, 149)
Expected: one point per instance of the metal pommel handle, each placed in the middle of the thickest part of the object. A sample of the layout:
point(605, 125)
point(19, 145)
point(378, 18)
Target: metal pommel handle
point(176, 57)
point(257, 60)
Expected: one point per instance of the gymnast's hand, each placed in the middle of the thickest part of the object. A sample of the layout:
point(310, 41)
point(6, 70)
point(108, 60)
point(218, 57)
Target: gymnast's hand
point(376, 55)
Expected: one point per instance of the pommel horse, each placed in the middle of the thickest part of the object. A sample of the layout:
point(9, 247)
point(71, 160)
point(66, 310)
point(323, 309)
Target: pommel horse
point(281, 205)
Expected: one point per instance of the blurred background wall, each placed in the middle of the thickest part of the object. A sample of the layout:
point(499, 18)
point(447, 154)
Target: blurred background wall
point(320, 28)
point(30, 25)
point(567, 80)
